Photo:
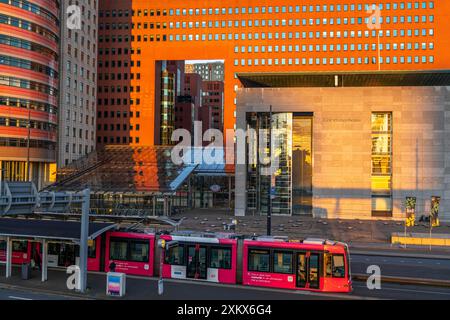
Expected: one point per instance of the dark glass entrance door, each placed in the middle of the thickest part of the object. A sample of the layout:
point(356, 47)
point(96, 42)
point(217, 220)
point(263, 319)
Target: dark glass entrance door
point(313, 271)
point(202, 269)
point(301, 270)
point(196, 262)
point(308, 271)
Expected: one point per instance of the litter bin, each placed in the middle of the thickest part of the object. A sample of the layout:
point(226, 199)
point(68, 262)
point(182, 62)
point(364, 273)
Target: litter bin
point(26, 271)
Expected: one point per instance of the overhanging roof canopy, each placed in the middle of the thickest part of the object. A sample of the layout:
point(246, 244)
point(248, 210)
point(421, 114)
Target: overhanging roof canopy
point(346, 79)
point(49, 229)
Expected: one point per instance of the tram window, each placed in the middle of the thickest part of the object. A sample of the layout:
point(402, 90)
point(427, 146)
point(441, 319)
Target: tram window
point(53, 248)
point(282, 262)
point(175, 256)
point(258, 260)
point(338, 266)
point(139, 251)
point(3, 245)
point(20, 246)
point(118, 249)
point(220, 258)
point(91, 251)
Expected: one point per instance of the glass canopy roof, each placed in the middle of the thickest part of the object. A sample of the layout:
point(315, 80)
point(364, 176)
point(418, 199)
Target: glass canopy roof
point(125, 169)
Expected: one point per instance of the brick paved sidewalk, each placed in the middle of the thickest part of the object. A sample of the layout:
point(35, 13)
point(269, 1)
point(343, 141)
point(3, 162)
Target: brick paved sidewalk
point(376, 231)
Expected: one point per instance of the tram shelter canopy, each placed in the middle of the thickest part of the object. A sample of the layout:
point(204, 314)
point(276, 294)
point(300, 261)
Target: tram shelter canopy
point(50, 229)
point(44, 231)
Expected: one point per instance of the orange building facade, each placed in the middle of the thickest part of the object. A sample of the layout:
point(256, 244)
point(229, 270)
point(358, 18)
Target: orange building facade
point(256, 36)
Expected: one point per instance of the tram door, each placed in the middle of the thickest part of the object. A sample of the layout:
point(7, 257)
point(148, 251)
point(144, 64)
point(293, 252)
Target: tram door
point(196, 262)
point(308, 270)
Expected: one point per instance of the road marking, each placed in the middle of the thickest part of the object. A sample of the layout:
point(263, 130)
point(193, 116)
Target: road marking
point(18, 298)
point(408, 290)
point(402, 261)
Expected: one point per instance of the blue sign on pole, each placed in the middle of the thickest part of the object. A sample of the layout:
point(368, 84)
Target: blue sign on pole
point(115, 285)
point(272, 192)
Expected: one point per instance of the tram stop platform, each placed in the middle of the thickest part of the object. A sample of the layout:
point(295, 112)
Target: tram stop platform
point(421, 239)
point(367, 233)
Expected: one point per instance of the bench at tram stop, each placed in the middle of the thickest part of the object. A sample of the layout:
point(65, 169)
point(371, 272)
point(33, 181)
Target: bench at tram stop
point(230, 226)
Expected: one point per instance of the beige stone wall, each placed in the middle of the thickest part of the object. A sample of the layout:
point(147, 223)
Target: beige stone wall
point(342, 144)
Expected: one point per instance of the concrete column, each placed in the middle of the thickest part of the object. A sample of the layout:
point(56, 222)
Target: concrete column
point(240, 182)
point(8, 257)
point(44, 265)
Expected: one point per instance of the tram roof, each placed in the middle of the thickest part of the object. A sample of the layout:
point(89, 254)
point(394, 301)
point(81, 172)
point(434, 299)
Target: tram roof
point(50, 229)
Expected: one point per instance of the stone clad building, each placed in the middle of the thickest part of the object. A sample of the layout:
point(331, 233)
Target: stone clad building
point(354, 145)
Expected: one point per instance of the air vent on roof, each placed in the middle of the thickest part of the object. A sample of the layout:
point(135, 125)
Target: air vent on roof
point(319, 241)
point(272, 238)
point(314, 241)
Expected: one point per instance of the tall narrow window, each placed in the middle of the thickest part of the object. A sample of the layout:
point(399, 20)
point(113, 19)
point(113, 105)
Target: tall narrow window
point(381, 164)
point(302, 164)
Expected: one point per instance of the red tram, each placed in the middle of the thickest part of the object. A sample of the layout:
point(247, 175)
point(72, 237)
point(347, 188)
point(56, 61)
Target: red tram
point(311, 264)
point(316, 265)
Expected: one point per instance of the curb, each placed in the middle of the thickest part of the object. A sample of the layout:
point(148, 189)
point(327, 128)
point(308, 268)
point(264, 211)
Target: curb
point(45, 291)
point(369, 252)
point(402, 280)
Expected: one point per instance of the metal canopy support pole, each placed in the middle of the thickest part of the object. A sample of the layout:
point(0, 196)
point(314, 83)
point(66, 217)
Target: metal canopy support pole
point(229, 192)
point(84, 239)
point(165, 207)
point(44, 260)
point(8, 257)
point(189, 194)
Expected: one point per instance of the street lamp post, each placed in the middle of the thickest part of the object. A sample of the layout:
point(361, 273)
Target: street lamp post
point(271, 187)
point(162, 246)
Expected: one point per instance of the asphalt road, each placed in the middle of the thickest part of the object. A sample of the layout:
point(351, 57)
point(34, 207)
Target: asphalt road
point(400, 291)
point(403, 267)
point(188, 290)
point(179, 290)
point(145, 288)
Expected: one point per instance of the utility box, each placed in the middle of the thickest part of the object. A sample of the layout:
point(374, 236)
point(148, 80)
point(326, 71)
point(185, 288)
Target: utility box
point(26, 271)
point(115, 284)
